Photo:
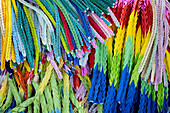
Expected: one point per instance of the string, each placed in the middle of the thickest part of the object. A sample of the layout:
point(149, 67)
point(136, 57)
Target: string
point(87, 43)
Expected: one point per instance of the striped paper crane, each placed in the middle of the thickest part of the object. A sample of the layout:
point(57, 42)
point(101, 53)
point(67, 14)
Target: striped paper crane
point(111, 103)
point(134, 84)
point(127, 56)
point(102, 31)
point(98, 85)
